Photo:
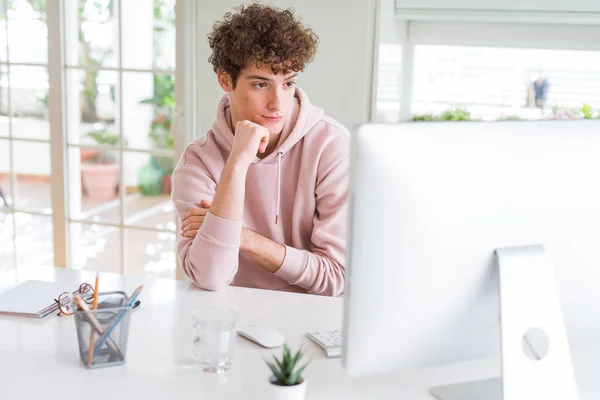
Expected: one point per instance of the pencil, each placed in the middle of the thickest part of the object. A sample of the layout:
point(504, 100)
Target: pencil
point(94, 307)
point(95, 324)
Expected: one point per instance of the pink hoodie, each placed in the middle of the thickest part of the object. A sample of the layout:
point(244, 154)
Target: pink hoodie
point(303, 184)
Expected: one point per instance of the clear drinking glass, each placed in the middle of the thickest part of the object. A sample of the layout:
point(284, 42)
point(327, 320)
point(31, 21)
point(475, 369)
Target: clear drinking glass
point(213, 335)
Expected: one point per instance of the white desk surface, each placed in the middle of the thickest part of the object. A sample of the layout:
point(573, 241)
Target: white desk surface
point(41, 356)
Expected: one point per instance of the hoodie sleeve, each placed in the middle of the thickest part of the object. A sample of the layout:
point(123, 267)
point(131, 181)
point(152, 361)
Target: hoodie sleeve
point(210, 259)
point(322, 271)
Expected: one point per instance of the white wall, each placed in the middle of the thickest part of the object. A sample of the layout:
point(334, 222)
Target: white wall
point(390, 29)
point(338, 80)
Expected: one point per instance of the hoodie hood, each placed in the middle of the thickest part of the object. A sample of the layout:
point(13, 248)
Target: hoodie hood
point(301, 119)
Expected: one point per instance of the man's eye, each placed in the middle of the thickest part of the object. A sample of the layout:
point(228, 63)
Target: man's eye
point(260, 85)
point(290, 84)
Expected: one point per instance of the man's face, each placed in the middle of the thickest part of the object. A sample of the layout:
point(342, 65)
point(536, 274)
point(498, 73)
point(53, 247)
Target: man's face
point(262, 97)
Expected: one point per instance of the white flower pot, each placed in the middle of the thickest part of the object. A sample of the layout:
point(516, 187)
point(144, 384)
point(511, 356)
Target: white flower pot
point(296, 392)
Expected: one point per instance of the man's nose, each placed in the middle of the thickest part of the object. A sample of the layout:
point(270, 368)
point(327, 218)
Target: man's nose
point(274, 99)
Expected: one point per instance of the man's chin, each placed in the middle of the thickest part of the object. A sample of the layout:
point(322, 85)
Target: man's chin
point(275, 128)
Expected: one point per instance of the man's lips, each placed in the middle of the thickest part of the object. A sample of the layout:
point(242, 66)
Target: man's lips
point(273, 119)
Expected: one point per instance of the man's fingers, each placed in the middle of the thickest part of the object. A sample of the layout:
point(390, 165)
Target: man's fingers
point(195, 211)
point(190, 234)
point(204, 206)
point(191, 223)
point(264, 142)
point(191, 211)
point(192, 226)
point(191, 220)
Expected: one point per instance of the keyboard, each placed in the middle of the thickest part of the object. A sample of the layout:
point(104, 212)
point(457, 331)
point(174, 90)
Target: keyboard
point(329, 341)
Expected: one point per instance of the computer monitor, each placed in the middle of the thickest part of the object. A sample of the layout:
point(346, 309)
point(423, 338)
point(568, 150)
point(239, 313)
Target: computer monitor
point(450, 220)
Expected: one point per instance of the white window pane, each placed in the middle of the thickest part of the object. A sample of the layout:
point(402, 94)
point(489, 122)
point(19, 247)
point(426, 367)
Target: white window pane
point(3, 40)
point(92, 35)
point(93, 181)
point(95, 247)
point(32, 168)
point(148, 37)
point(6, 219)
point(6, 241)
point(34, 240)
point(148, 180)
point(150, 253)
point(92, 104)
point(148, 110)
point(389, 77)
point(29, 102)
point(27, 31)
point(4, 87)
point(5, 189)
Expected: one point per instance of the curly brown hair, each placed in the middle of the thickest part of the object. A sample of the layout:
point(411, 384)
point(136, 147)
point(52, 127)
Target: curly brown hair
point(260, 35)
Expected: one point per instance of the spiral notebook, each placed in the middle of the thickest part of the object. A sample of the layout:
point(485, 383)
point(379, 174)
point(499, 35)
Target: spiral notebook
point(33, 298)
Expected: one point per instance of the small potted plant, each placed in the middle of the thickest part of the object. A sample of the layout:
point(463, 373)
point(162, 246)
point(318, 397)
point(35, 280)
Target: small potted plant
point(100, 172)
point(287, 382)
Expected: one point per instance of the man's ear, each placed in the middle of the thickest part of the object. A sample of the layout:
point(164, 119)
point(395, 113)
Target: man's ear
point(225, 81)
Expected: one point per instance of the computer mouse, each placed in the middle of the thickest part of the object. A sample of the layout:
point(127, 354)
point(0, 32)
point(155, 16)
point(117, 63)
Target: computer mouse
point(262, 335)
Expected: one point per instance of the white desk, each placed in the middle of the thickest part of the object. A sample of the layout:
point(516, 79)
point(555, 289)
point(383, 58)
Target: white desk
point(41, 356)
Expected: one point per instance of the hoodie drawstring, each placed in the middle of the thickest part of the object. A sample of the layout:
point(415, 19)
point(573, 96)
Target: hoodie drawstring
point(278, 185)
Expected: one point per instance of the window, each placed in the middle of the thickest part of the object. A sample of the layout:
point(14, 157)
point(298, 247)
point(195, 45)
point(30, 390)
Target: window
point(497, 83)
point(26, 231)
point(120, 107)
point(118, 76)
point(487, 70)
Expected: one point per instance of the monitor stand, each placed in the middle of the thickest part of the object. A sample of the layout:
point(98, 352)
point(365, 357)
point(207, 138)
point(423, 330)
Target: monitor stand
point(536, 362)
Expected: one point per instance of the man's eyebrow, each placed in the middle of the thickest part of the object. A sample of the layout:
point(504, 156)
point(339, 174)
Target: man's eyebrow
point(264, 78)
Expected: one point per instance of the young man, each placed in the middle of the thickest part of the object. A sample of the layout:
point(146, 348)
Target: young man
point(262, 196)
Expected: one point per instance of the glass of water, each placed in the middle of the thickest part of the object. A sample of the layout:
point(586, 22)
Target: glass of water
point(214, 338)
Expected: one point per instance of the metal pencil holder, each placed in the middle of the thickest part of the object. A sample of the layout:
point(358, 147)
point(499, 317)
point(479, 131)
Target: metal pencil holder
point(111, 316)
